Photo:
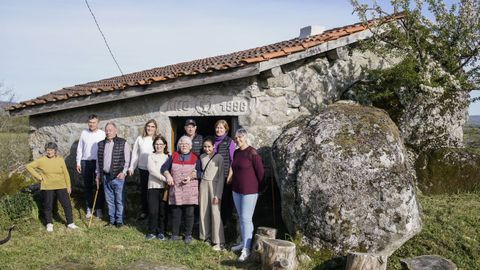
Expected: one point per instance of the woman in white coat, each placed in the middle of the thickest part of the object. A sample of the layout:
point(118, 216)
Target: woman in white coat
point(141, 149)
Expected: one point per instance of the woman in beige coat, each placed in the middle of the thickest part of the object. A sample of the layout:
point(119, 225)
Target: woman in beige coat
point(211, 188)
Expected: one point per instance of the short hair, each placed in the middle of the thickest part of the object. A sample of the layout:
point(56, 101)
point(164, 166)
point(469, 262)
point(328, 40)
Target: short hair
point(241, 131)
point(51, 145)
point(160, 138)
point(224, 123)
point(209, 139)
point(151, 121)
point(184, 139)
point(110, 123)
point(92, 116)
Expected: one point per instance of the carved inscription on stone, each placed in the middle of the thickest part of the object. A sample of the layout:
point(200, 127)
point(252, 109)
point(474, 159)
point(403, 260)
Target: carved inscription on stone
point(211, 105)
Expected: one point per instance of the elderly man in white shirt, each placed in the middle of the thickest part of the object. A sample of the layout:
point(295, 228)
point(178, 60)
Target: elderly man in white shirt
point(86, 163)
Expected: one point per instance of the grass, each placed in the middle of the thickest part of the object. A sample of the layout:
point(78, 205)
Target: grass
point(32, 247)
point(450, 230)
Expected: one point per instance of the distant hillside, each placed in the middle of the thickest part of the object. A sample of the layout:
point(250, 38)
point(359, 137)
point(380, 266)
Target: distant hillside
point(4, 104)
point(474, 120)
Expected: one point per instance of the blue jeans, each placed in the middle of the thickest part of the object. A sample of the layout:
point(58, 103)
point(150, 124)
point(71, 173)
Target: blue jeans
point(245, 205)
point(113, 188)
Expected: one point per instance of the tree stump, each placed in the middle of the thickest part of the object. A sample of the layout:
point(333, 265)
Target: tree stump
point(262, 234)
point(257, 247)
point(278, 254)
point(366, 261)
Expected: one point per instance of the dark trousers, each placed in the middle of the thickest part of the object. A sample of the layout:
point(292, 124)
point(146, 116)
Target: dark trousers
point(144, 190)
point(226, 209)
point(88, 175)
point(157, 210)
point(63, 198)
point(177, 211)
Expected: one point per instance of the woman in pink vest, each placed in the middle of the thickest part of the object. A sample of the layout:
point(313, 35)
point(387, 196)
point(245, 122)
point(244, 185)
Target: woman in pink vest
point(182, 170)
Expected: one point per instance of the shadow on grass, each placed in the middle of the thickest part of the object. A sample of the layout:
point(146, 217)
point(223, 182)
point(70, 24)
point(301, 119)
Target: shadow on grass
point(337, 263)
point(241, 265)
point(68, 265)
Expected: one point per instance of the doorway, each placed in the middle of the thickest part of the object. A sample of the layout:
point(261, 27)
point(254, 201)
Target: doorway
point(205, 126)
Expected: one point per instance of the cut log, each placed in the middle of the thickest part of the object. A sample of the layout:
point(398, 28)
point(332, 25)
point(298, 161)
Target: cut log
point(257, 247)
point(267, 231)
point(366, 261)
point(278, 254)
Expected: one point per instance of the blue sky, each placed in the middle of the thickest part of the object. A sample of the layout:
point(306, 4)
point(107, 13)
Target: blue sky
point(47, 45)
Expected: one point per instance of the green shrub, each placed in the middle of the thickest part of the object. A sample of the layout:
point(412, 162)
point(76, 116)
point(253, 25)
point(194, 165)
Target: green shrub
point(16, 207)
point(14, 151)
point(12, 184)
point(15, 124)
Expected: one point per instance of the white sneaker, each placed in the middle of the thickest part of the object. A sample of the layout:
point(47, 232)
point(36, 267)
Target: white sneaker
point(244, 255)
point(49, 227)
point(99, 213)
point(217, 247)
point(89, 213)
point(72, 226)
point(237, 247)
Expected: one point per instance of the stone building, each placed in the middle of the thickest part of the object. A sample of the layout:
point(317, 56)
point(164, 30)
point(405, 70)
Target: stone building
point(261, 89)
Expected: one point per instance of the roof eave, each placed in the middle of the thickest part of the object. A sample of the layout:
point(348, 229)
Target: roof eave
point(104, 97)
point(248, 70)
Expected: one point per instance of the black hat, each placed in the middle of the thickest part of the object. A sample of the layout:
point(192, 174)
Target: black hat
point(190, 122)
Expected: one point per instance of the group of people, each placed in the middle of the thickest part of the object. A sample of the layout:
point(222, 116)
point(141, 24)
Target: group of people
point(199, 182)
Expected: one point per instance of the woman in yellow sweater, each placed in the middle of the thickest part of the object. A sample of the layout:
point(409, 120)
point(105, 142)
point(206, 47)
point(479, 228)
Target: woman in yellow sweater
point(54, 179)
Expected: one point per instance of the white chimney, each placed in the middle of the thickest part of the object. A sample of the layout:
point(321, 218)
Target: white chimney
point(311, 30)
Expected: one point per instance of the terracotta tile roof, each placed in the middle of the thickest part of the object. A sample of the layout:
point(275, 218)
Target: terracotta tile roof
point(201, 66)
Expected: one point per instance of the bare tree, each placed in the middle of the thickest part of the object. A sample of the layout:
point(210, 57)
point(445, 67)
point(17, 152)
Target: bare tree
point(6, 97)
point(6, 94)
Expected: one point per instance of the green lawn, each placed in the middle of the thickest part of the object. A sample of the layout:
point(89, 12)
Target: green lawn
point(451, 229)
point(32, 247)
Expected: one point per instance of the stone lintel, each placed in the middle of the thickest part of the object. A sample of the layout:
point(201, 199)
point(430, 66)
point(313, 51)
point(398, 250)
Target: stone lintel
point(218, 105)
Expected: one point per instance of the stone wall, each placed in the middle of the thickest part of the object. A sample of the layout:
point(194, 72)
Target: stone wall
point(263, 104)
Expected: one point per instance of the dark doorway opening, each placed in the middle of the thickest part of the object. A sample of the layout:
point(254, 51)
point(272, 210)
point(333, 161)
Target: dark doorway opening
point(205, 126)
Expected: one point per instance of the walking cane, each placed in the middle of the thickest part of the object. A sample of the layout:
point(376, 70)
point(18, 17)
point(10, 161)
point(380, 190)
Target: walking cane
point(94, 202)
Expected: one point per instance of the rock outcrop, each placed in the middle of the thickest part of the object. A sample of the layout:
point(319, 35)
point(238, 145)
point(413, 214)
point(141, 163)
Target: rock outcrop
point(345, 182)
point(434, 118)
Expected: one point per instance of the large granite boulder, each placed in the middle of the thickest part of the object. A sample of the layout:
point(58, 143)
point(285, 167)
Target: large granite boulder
point(448, 170)
point(345, 181)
